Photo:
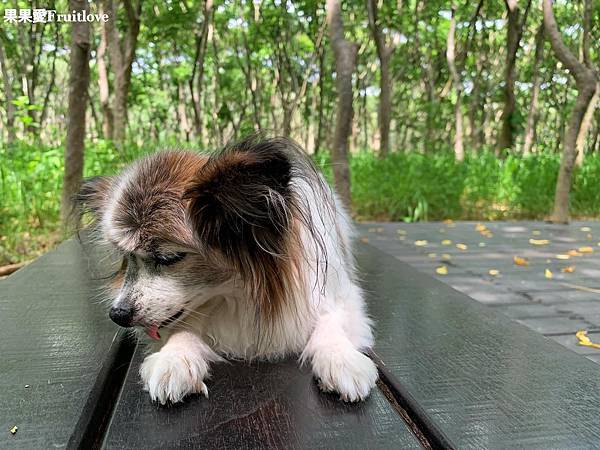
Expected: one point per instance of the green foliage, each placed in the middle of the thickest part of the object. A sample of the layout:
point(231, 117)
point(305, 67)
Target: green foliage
point(413, 187)
point(404, 186)
point(401, 187)
point(30, 187)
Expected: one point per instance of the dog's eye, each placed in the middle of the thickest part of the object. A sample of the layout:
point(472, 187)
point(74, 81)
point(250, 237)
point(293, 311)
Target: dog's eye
point(167, 260)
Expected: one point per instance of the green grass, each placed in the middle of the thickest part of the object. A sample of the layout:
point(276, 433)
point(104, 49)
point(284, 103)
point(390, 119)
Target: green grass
point(404, 186)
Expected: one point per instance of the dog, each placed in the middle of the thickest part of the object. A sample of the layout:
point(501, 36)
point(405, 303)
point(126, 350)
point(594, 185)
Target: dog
point(242, 254)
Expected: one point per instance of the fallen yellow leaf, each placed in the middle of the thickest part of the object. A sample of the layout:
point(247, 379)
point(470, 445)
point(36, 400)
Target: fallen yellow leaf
point(480, 227)
point(461, 246)
point(442, 270)
point(539, 241)
point(585, 340)
point(563, 256)
point(446, 242)
point(568, 269)
point(585, 250)
point(421, 243)
point(494, 272)
point(14, 429)
point(482, 244)
point(432, 255)
point(573, 253)
point(520, 261)
point(586, 229)
point(401, 237)
point(548, 273)
point(448, 221)
point(364, 240)
point(446, 256)
point(536, 232)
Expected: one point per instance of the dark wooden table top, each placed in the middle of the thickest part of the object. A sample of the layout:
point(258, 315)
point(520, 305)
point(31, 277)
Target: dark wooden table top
point(455, 373)
point(257, 406)
point(473, 377)
point(56, 349)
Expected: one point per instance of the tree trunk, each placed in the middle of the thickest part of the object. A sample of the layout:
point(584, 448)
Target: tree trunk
point(79, 79)
point(104, 91)
point(585, 58)
point(8, 93)
point(585, 80)
point(345, 53)
point(459, 151)
point(384, 54)
point(185, 126)
point(585, 126)
point(36, 35)
point(595, 146)
point(532, 117)
point(319, 135)
point(514, 31)
point(52, 81)
point(121, 59)
point(300, 94)
point(251, 81)
point(287, 120)
point(201, 44)
point(218, 131)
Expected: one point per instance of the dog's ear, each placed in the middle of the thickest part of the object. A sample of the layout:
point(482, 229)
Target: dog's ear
point(241, 203)
point(241, 197)
point(93, 195)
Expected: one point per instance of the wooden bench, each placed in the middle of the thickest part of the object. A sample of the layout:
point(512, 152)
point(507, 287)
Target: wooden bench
point(454, 374)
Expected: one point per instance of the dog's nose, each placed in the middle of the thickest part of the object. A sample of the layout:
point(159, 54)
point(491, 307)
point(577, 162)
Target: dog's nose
point(121, 316)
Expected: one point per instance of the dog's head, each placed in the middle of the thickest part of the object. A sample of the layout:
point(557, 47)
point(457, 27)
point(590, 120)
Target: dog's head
point(189, 226)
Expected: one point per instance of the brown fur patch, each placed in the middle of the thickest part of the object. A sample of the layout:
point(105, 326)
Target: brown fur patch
point(151, 206)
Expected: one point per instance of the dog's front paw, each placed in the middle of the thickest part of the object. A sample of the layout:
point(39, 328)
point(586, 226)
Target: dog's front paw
point(349, 373)
point(170, 375)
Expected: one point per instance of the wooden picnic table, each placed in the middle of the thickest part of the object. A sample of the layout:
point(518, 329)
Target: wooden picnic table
point(455, 374)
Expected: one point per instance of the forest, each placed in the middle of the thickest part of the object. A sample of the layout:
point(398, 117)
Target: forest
point(414, 109)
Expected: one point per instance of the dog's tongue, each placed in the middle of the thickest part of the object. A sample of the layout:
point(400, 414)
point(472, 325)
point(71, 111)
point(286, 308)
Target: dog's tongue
point(152, 331)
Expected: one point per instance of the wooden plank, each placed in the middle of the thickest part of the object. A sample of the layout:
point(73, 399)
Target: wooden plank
point(57, 352)
point(257, 406)
point(474, 378)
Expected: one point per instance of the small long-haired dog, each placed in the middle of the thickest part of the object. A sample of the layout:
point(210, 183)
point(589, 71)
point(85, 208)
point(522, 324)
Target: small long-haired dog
point(243, 254)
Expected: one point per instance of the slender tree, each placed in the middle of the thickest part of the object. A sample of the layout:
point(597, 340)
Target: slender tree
point(201, 44)
point(79, 80)
point(532, 116)
point(103, 85)
point(585, 57)
point(459, 151)
point(586, 80)
point(122, 53)
point(384, 53)
point(320, 113)
point(345, 53)
point(514, 32)
point(52, 81)
point(8, 94)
